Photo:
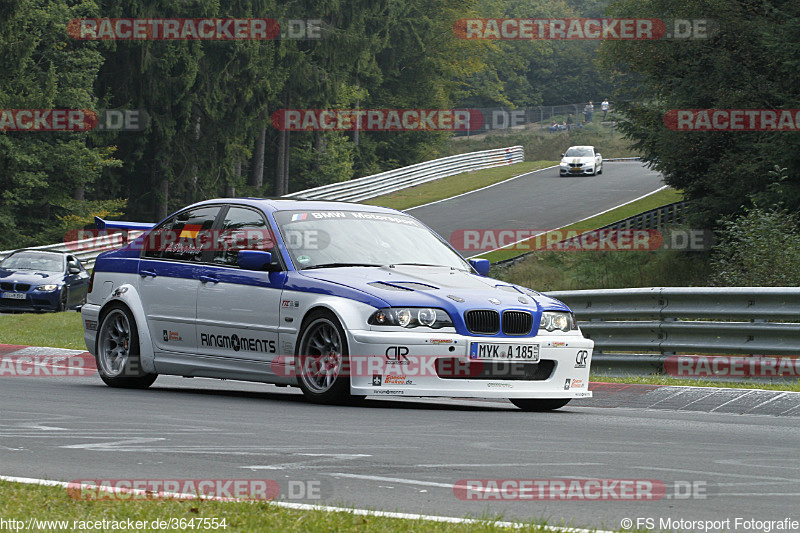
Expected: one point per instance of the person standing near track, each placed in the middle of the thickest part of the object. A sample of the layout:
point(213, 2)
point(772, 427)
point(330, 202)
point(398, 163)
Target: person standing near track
point(588, 111)
point(604, 106)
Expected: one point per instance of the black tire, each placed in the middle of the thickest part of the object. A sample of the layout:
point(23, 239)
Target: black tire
point(322, 354)
point(117, 350)
point(539, 405)
point(62, 299)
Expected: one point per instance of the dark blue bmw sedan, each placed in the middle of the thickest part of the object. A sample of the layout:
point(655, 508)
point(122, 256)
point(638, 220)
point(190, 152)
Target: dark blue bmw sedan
point(37, 280)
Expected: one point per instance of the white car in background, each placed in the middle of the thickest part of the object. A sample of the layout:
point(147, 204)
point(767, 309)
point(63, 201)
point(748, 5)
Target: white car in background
point(581, 161)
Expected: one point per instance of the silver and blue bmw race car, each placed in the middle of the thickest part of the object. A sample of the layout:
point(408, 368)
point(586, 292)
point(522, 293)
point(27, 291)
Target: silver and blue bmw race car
point(342, 300)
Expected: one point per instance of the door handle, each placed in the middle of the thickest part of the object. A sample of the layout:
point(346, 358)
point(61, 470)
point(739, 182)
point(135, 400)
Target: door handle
point(146, 273)
point(208, 279)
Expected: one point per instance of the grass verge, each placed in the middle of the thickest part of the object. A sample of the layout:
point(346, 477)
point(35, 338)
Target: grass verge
point(790, 386)
point(20, 501)
point(54, 330)
point(453, 185)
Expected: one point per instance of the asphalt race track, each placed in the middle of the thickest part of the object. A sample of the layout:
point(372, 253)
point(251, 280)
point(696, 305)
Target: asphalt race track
point(407, 454)
point(401, 455)
point(540, 200)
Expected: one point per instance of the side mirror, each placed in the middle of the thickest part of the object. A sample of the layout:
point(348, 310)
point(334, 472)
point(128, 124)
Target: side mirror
point(598, 154)
point(255, 260)
point(74, 270)
point(562, 155)
point(480, 265)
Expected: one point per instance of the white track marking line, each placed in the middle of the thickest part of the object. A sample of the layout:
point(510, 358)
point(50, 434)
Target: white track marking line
point(309, 507)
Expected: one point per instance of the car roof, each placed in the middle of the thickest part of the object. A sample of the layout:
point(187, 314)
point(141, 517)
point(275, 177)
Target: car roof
point(582, 146)
point(57, 252)
point(299, 204)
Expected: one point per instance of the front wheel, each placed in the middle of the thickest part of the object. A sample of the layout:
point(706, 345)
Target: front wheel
point(118, 359)
point(62, 299)
point(539, 405)
point(322, 356)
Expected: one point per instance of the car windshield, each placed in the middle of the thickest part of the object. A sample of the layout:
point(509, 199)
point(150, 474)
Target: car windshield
point(579, 152)
point(320, 239)
point(33, 261)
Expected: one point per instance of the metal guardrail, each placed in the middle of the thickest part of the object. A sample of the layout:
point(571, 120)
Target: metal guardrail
point(734, 320)
point(674, 213)
point(401, 178)
point(86, 250)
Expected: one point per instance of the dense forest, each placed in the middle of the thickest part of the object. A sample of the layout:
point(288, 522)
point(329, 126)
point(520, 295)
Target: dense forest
point(205, 105)
point(208, 103)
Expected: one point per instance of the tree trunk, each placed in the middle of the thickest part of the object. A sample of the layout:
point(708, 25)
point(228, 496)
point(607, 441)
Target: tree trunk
point(79, 193)
point(319, 149)
point(162, 199)
point(230, 190)
point(286, 165)
point(280, 165)
point(256, 178)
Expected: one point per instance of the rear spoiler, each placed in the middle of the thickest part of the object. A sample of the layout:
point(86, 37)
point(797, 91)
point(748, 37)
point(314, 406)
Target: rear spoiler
point(121, 224)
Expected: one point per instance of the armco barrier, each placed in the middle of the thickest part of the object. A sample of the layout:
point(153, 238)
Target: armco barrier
point(659, 320)
point(401, 178)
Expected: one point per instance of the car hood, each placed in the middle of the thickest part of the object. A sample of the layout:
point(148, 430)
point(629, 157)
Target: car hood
point(588, 159)
point(29, 276)
point(441, 287)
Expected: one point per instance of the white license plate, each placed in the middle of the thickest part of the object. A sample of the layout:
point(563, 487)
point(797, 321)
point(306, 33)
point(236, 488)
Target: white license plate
point(488, 351)
point(14, 295)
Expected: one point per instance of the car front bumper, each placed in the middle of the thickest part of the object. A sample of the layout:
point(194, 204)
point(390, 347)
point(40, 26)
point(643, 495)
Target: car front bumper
point(583, 171)
point(430, 364)
point(34, 301)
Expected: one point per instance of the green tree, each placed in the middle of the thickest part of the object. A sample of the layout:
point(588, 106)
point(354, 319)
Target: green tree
point(750, 61)
point(43, 175)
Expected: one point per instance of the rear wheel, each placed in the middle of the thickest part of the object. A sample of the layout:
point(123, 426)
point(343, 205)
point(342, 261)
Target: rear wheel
point(322, 354)
point(118, 360)
point(539, 405)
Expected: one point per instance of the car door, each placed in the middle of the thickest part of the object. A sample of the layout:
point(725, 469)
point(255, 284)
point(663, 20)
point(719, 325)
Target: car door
point(77, 282)
point(169, 275)
point(238, 310)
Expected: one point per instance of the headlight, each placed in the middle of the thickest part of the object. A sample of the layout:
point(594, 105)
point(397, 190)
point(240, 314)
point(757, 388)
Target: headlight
point(411, 317)
point(47, 288)
point(553, 320)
